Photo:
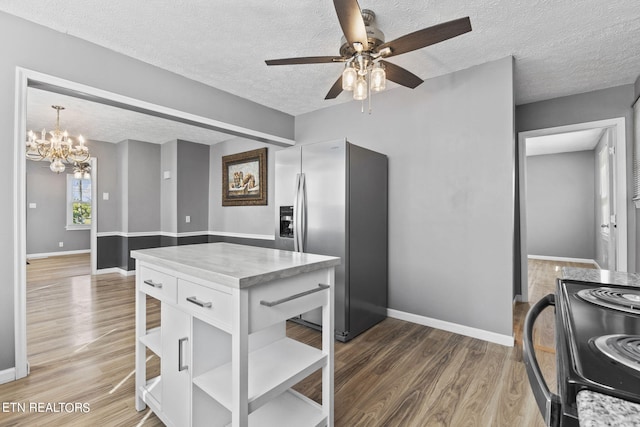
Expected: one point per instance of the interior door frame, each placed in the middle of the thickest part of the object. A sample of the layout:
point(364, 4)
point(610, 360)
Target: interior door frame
point(23, 78)
point(618, 133)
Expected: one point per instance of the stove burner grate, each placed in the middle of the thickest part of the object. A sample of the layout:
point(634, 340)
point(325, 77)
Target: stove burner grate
point(624, 349)
point(627, 300)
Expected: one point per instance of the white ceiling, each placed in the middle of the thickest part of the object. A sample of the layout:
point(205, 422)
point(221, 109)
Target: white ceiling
point(582, 140)
point(560, 47)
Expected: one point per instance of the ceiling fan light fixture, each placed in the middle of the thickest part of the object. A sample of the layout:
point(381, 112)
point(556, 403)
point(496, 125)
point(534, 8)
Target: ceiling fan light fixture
point(81, 170)
point(360, 89)
point(363, 46)
point(349, 77)
point(378, 78)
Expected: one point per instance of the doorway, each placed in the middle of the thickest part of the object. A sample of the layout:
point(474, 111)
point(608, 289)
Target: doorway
point(52, 229)
point(28, 78)
point(613, 130)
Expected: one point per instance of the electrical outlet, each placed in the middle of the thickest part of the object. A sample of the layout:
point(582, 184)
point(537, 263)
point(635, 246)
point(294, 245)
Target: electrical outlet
point(61, 244)
point(187, 219)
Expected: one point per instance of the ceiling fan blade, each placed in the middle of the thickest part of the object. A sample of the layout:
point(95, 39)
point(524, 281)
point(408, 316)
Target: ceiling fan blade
point(305, 60)
point(335, 90)
point(427, 36)
point(401, 76)
point(351, 21)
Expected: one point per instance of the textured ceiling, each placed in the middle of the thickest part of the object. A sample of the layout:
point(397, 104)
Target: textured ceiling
point(560, 47)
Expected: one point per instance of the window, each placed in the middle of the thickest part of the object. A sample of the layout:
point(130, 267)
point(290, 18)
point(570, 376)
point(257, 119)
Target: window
point(78, 203)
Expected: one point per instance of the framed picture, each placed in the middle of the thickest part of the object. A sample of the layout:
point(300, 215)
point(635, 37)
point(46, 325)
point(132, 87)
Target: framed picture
point(244, 178)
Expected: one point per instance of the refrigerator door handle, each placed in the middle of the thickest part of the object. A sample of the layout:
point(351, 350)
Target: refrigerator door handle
point(303, 212)
point(296, 215)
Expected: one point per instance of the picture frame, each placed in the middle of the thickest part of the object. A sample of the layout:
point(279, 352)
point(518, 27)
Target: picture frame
point(244, 178)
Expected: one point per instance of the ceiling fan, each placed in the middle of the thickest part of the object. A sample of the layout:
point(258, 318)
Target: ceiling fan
point(364, 51)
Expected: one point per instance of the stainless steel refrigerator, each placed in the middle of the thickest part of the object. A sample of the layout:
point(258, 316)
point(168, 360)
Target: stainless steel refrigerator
point(331, 199)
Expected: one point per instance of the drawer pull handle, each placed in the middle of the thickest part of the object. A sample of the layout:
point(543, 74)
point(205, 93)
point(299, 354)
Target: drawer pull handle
point(181, 365)
point(154, 284)
point(320, 287)
point(196, 301)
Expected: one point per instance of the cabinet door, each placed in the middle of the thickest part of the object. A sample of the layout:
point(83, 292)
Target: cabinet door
point(175, 365)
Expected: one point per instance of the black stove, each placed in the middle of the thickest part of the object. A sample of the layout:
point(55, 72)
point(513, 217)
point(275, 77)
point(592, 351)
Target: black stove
point(621, 348)
point(597, 346)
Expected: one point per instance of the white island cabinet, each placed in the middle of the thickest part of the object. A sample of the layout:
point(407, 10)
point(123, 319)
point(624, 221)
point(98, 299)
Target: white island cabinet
point(225, 359)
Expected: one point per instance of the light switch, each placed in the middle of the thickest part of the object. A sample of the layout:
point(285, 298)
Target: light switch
point(32, 205)
point(105, 196)
point(187, 219)
point(167, 174)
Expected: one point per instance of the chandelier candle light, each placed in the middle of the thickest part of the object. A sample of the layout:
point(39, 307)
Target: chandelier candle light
point(58, 148)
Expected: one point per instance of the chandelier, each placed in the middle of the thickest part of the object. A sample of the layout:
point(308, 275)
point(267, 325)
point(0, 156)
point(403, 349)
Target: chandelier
point(58, 149)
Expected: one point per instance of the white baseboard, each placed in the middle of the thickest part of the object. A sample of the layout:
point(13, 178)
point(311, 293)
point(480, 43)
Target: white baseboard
point(7, 375)
point(564, 259)
point(481, 334)
point(61, 253)
point(118, 270)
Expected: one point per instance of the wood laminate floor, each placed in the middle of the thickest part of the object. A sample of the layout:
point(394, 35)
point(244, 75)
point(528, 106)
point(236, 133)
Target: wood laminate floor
point(80, 332)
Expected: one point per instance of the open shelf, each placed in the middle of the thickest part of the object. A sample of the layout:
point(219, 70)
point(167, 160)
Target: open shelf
point(152, 393)
point(152, 341)
point(273, 369)
point(290, 409)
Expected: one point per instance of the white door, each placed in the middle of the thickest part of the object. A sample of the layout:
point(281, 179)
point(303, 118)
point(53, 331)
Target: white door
point(605, 206)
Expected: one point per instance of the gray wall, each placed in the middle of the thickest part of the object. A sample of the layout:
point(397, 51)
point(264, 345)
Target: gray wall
point(41, 49)
point(143, 186)
point(169, 187)
point(240, 219)
point(122, 158)
point(450, 144)
point(193, 186)
point(108, 181)
point(560, 205)
point(46, 224)
point(586, 107)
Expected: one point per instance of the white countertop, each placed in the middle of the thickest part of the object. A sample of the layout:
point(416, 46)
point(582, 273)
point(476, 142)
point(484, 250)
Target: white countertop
point(237, 266)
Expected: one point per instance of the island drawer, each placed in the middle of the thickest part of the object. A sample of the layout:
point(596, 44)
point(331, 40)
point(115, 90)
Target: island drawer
point(204, 301)
point(158, 284)
point(283, 299)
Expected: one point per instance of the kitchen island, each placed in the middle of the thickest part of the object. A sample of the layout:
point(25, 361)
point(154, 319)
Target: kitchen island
point(225, 357)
